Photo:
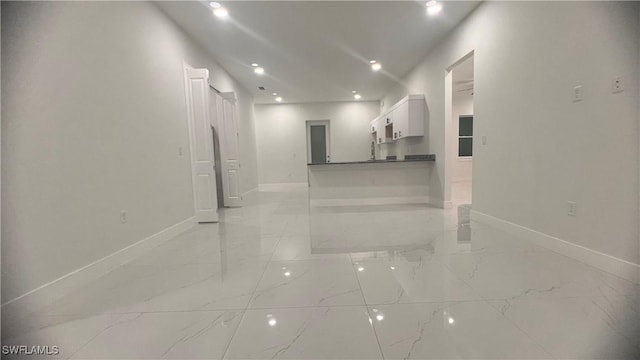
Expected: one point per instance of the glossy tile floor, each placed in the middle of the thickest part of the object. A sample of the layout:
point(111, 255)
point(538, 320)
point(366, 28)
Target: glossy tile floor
point(280, 279)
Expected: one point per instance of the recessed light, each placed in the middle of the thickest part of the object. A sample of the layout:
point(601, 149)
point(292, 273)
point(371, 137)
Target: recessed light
point(279, 99)
point(376, 67)
point(215, 5)
point(259, 70)
point(372, 61)
point(353, 91)
point(254, 65)
point(433, 7)
point(357, 96)
point(221, 12)
point(274, 94)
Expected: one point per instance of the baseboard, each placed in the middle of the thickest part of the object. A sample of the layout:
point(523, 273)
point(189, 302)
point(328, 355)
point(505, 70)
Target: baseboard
point(439, 203)
point(372, 201)
point(622, 268)
point(249, 191)
point(283, 186)
point(462, 180)
point(64, 285)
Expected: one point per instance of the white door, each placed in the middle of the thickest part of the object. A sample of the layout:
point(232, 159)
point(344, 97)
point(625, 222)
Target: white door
point(229, 151)
point(201, 145)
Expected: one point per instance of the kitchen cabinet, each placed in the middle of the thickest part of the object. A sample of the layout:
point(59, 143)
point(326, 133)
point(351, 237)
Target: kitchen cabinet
point(404, 119)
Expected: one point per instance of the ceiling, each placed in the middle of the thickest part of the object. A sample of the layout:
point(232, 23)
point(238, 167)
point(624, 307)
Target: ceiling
point(315, 51)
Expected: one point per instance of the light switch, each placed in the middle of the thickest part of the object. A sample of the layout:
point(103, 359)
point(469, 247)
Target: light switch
point(577, 93)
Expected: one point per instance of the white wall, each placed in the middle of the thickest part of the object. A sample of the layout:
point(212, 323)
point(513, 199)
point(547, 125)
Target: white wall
point(462, 105)
point(543, 149)
point(93, 115)
point(282, 138)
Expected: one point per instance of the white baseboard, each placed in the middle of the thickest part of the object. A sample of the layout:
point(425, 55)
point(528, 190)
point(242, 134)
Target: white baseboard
point(622, 268)
point(441, 203)
point(58, 288)
point(372, 201)
point(283, 186)
point(249, 191)
point(462, 180)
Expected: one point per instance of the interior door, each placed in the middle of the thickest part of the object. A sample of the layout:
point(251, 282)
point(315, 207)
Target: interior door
point(230, 155)
point(318, 148)
point(318, 144)
point(201, 145)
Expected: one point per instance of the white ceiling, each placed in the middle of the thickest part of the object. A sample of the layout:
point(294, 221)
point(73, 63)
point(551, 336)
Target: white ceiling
point(318, 50)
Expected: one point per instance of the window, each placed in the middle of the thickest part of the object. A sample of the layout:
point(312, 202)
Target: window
point(465, 136)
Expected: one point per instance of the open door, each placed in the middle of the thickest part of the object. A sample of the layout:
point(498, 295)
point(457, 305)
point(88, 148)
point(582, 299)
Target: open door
point(201, 145)
point(229, 154)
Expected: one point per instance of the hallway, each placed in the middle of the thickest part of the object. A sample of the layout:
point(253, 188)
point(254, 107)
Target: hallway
point(281, 279)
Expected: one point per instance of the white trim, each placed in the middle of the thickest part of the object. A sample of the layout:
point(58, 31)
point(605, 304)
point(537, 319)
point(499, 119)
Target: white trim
point(250, 191)
point(622, 268)
point(65, 284)
point(396, 200)
point(462, 180)
point(283, 186)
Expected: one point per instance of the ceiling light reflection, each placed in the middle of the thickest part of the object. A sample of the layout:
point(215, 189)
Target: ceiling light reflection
point(433, 7)
point(221, 12)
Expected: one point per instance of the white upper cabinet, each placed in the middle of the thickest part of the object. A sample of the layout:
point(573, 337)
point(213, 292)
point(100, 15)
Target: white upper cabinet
point(404, 119)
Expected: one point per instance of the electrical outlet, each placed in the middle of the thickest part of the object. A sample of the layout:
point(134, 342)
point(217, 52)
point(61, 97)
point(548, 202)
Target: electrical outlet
point(123, 216)
point(577, 93)
point(571, 208)
point(617, 85)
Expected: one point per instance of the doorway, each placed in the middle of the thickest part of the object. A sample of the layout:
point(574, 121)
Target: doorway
point(461, 134)
point(318, 140)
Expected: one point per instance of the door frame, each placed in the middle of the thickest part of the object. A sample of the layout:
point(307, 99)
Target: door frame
point(450, 147)
point(327, 135)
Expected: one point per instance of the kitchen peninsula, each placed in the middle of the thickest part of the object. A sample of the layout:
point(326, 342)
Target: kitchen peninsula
point(371, 182)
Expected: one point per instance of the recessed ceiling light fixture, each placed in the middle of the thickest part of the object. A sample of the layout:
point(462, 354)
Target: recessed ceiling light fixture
point(279, 99)
point(274, 94)
point(221, 12)
point(433, 7)
point(357, 96)
point(259, 70)
point(353, 91)
point(215, 5)
point(372, 61)
point(376, 66)
point(254, 65)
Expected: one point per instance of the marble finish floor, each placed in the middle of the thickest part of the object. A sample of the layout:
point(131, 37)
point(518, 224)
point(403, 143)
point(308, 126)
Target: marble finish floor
point(278, 279)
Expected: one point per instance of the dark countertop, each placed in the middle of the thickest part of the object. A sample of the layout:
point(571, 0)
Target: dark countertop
point(430, 158)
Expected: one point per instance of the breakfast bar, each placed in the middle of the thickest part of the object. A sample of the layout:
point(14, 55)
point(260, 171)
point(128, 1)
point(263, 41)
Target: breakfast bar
point(371, 182)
